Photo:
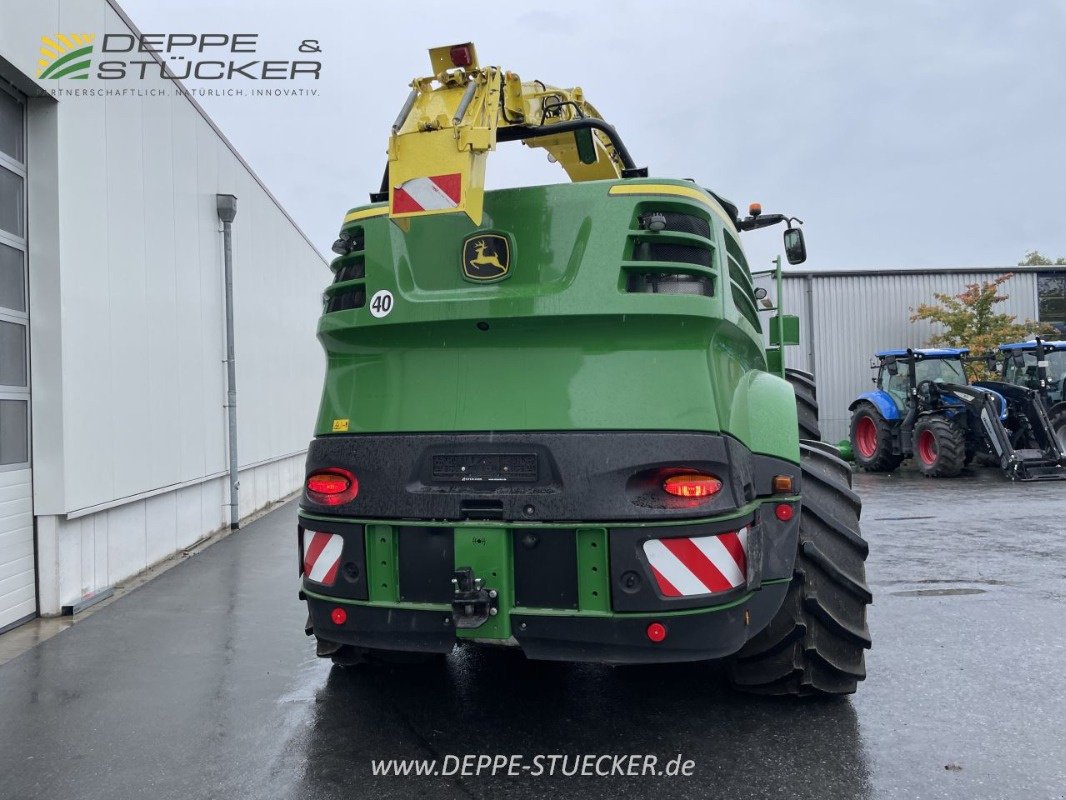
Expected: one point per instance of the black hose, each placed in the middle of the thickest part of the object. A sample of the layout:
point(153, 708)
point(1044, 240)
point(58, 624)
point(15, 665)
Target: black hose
point(518, 132)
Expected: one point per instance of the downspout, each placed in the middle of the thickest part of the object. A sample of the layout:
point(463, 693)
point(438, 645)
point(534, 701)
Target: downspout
point(809, 288)
point(226, 204)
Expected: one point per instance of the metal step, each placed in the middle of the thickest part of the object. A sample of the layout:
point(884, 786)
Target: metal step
point(1030, 455)
point(1045, 471)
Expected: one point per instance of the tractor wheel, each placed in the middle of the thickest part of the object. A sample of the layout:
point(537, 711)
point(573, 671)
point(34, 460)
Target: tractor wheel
point(1057, 415)
point(871, 440)
point(939, 447)
point(816, 643)
point(806, 403)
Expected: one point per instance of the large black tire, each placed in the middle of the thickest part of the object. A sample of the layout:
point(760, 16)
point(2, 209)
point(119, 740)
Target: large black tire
point(871, 440)
point(1057, 415)
point(806, 403)
point(816, 644)
point(939, 447)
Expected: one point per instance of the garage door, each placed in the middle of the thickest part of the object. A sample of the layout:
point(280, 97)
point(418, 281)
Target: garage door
point(18, 597)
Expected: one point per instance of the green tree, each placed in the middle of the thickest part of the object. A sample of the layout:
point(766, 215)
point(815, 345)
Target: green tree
point(1034, 258)
point(970, 320)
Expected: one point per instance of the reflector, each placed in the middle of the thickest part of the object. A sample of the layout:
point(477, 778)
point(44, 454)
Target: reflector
point(782, 484)
point(656, 632)
point(461, 55)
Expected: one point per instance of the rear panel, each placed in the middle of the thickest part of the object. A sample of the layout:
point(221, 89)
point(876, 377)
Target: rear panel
point(562, 311)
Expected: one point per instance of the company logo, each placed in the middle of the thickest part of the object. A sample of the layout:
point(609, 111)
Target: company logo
point(181, 56)
point(486, 257)
point(66, 55)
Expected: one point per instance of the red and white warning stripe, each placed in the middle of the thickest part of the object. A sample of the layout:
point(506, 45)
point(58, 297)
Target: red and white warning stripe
point(322, 556)
point(437, 193)
point(699, 565)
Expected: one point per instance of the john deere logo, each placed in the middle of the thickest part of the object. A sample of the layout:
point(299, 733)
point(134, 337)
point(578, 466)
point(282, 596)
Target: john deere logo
point(486, 257)
point(66, 55)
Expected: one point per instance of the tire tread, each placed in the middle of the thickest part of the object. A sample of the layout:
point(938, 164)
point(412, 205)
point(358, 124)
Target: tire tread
point(951, 444)
point(883, 459)
point(816, 643)
point(806, 403)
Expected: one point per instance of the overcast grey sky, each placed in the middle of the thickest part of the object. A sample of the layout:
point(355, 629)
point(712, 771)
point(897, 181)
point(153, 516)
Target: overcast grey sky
point(903, 133)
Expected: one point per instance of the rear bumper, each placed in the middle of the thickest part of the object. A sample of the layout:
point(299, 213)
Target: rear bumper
point(703, 634)
point(561, 543)
point(585, 594)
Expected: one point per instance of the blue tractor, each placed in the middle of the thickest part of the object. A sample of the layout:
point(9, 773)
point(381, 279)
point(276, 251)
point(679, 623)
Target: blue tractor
point(924, 407)
point(1040, 366)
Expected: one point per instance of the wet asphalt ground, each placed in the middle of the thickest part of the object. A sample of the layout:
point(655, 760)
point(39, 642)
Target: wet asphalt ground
point(201, 684)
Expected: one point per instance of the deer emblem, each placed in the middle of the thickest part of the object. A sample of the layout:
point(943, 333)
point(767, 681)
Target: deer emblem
point(481, 259)
point(486, 257)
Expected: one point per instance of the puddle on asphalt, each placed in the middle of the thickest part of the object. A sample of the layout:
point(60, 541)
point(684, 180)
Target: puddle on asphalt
point(946, 591)
point(309, 682)
point(936, 592)
point(979, 581)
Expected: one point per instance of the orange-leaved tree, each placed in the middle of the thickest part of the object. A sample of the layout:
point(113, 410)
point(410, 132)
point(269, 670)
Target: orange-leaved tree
point(970, 320)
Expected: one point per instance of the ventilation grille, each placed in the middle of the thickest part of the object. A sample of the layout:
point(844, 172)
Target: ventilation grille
point(345, 295)
point(345, 301)
point(669, 283)
point(682, 223)
point(648, 247)
point(356, 239)
point(682, 253)
point(351, 272)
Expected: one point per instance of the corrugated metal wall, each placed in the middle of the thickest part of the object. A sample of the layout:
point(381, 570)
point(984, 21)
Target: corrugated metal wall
point(845, 317)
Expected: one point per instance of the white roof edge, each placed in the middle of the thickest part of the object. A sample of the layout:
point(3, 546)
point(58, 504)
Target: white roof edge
point(874, 272)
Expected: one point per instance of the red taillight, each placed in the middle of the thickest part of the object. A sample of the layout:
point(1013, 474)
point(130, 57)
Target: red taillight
point(332, 487)
point(460, 55)
point(328, 484)
point(784, 512)
point(656, 632)
point(692, 484)
point(338, 615)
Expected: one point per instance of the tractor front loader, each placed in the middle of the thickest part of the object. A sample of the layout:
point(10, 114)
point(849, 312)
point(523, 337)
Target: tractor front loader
point(1040, 365)
point(925, 408)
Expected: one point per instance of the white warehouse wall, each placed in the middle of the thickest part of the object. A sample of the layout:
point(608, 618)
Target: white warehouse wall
point(127, 320)
point(846, 317)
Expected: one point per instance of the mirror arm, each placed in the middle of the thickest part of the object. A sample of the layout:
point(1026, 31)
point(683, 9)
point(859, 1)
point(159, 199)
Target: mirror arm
point(761, 221)
point(765, 221)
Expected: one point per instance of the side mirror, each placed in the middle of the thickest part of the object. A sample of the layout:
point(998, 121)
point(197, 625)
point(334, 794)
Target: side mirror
point(795, 249)
point(760, 293)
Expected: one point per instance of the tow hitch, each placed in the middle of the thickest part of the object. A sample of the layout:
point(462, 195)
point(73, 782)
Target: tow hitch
point(472, 603)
